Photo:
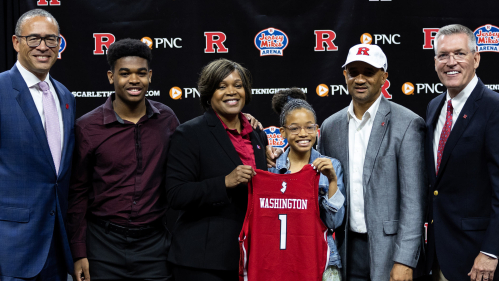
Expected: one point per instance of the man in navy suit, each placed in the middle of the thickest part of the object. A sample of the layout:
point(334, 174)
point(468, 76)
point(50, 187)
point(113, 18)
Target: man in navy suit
point(36, 144)
point(462, 159)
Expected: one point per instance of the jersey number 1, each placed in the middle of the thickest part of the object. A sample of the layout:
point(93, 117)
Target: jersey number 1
point(284, 224)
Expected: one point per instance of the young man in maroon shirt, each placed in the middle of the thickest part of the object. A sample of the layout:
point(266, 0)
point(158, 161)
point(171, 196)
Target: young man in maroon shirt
point(117, 197)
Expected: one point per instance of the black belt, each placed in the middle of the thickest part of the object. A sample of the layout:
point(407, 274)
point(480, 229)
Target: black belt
point(134, 232)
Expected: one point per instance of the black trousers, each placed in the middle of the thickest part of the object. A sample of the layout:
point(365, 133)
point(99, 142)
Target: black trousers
point(115, 256)
point(183, 273)
point(358, 268)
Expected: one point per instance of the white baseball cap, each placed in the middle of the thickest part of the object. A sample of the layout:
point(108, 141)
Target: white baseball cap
point(371, 54)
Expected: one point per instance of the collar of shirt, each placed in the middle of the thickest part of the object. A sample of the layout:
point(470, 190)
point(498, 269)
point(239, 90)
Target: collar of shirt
point(111, 116)
point(247, 129)
point(460, 99)
point(30, 78)
point(368, 116)
point(282, 164)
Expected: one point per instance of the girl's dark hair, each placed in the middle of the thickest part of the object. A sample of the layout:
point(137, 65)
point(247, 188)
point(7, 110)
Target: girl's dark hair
point(214, 73)
point(285, 101)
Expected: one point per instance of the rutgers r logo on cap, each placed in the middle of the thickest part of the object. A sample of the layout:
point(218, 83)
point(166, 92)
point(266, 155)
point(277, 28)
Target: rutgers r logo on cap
point(363, 51)
point(46, 3)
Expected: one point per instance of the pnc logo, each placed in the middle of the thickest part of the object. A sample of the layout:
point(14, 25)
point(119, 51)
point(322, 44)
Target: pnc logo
point(322, 90)
point(161, 42)
point(176, 93)
point(366, 38)
point(147, 41)
point(418, 88)
point(408, 88)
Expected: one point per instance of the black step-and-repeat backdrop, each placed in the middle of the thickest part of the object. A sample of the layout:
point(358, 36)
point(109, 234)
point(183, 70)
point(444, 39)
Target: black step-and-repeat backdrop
point(283, 43)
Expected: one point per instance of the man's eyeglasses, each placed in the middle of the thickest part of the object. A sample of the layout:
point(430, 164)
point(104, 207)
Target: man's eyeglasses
point(459, 57)
point(295, 130)
point(33, 41)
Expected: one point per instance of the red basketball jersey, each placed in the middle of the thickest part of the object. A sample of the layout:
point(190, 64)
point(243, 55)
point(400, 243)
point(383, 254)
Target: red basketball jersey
point(283, 237)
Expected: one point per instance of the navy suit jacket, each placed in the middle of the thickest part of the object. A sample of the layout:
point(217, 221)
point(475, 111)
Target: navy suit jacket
point(464, 216)
point(33, 198)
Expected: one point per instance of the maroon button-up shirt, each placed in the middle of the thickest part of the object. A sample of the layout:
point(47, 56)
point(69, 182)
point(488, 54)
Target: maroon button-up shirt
point(118, 169)
point(242, 141)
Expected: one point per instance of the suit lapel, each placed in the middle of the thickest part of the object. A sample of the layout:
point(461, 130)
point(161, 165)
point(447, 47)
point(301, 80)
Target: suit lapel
point(377, 133)
point(25, 101)
point(342, 136)
point(343, 151)
point(469, 110)
point(66, 120)
point(219, 133)
point(432, 120)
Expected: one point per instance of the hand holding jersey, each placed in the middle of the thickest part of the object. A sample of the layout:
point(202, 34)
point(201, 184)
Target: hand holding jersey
point(241, 174)
point(325, 167)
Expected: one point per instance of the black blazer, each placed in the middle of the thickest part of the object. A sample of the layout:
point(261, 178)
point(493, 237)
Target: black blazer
point(465, 212)
point(200, 156)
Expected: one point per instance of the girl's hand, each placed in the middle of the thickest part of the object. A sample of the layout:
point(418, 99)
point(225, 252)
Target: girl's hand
point(325, 167)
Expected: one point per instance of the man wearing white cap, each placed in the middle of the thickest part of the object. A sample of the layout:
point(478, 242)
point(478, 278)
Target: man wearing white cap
point(380, 144)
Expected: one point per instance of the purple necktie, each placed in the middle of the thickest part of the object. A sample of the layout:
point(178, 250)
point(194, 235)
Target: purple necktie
point(52, 128)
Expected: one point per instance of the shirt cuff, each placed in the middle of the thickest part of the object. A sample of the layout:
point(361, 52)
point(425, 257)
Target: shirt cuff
point(490, 255)
point(79, 250)
point(335, 202)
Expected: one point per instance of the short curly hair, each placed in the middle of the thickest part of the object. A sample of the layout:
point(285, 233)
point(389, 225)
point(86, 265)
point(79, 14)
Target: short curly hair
point(214, 73)
point(128, 48)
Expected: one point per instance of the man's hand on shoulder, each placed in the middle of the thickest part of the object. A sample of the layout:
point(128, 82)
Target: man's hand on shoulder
point(401, 272)
point(253, 121)
point(483, 268)
point(81, 270)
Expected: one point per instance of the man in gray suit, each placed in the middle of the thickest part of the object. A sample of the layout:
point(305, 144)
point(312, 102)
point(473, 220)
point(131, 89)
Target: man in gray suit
point(380, 145)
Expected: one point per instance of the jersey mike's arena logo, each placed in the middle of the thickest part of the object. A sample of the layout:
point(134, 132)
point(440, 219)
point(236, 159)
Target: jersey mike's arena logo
point(62, 46)
point(487, 38)
point(271, 42)
point(275, 138)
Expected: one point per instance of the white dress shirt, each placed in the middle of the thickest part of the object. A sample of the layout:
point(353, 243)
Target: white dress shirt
point(32, 82)
point(359, 132)
point(457, 104)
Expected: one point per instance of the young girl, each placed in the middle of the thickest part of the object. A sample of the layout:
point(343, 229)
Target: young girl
point(299, 127)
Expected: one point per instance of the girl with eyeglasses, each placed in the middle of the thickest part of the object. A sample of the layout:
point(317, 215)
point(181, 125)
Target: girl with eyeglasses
point(299, 126)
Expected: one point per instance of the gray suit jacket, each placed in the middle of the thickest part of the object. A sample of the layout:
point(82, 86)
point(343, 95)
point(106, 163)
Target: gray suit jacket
point(394, 185)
